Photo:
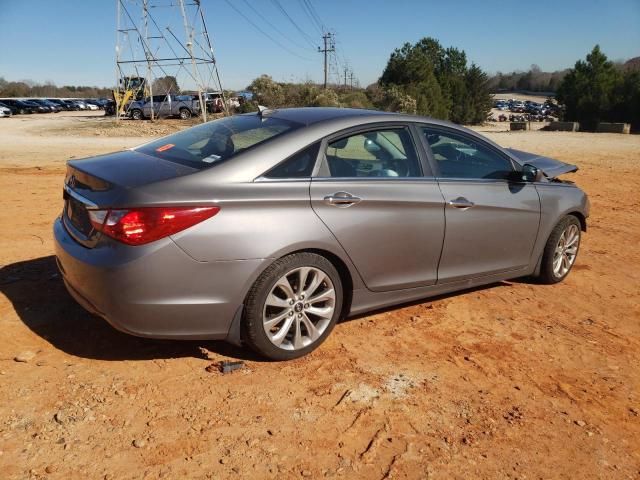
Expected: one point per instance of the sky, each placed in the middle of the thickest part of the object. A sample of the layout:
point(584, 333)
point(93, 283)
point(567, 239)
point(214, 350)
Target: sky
point(72, 42)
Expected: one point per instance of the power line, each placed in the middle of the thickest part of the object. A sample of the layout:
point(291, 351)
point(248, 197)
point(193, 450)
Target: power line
point(304, 34)
point(318, 25)
point(272, 25)
point(315, 15)
point(239, 12)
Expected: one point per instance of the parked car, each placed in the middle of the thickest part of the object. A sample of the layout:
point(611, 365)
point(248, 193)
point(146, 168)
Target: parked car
point(80, 105)
point(12, 109)
point(44, 107)
point(214, 102)
point(183, 106)
point(52, 107)
point(5, 111)
point(99, 102)
point(60, 103)
point(37, 107)
point(22, 107)
point(265, 228)
point(71, 105)
point(91, 104)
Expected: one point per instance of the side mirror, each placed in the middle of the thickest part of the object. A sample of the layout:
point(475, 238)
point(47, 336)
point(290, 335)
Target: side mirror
point(531, 173)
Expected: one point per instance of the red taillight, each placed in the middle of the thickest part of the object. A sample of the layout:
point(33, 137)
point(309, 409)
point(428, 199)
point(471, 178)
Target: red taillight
point(137, 226)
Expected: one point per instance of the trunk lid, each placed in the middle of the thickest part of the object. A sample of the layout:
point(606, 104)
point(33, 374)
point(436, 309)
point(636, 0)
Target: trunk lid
point(551, 167)
point(99, 182)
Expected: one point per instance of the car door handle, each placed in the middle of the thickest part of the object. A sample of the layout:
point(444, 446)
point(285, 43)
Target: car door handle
point(461, 203)
point(341, 199)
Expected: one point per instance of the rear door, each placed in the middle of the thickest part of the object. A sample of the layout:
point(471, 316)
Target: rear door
point(491, 221)
point(371, 191)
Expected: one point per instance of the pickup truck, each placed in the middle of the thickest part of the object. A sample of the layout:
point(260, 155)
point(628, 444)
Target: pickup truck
point(183, 106)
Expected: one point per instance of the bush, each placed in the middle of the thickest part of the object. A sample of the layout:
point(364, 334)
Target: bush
point(355, 99)
point(326, 98)
point(267, 92)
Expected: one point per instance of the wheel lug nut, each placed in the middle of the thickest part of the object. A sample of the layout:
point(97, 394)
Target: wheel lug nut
point(290, 313)
point(306, 305)
point(302, 297)
point(292, 302)
point(299, 315)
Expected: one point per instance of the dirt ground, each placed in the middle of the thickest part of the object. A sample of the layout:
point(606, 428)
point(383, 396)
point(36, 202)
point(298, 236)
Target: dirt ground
point(514, 381)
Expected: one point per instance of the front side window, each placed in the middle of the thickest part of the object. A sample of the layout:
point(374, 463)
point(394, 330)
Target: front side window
point(377, 153)
point(459, 156)
point(213, 142)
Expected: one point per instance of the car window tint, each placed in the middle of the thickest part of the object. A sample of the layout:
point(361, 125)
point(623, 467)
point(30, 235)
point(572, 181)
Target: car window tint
point(378, 153)
point(459, 156)
point(218, 140)
point(299, 165)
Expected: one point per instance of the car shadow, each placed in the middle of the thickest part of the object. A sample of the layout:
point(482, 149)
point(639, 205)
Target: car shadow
point(39, 297)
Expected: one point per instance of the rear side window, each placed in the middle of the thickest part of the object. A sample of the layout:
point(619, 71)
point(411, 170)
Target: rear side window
point(213, 142)
point(299, 165)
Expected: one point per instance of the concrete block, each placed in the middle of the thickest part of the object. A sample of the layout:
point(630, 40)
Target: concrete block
point(604, 127)
point(519, 126)
point(564, 126)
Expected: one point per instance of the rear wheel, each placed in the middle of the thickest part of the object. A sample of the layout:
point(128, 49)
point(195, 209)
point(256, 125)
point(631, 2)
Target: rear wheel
point(293, 306)
point(561, 250)
point(136, 114)
point(185, 113)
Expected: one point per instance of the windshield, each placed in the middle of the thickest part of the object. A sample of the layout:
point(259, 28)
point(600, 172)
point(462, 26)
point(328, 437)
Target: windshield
point(219, 140)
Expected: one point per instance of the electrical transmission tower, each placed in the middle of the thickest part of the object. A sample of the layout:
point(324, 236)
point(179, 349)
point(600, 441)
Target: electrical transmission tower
point(329, 46)
point(166, 47)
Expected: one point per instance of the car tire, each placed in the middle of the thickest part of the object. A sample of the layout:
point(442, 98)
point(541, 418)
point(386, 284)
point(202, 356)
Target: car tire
point(136, 114)
point(296, 327)
point(185, 113)
point(561, 250)
point(22, 111)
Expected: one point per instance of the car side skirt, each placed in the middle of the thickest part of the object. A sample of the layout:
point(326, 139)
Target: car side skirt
point(366, 300)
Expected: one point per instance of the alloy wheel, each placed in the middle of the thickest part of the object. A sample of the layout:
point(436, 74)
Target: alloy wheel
point(299, 308)
point(566, 251)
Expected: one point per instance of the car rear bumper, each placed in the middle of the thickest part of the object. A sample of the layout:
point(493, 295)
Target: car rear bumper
point(155, 290)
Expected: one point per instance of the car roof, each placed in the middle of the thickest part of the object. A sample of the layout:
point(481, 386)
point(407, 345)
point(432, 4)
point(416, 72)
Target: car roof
point(343, 117)
point(312, 115)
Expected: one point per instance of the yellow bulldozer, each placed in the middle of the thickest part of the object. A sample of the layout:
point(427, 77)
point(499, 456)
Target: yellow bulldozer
point(129, 89)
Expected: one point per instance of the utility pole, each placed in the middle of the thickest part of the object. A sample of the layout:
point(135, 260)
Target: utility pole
point(345, 76)
point(351, 80)
point(329, 46)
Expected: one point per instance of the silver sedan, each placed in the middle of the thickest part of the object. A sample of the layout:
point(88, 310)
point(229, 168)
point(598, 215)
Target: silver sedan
point(264, 229)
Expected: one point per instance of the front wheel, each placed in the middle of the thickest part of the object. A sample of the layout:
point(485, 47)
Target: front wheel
point(293, 306)
point(561, 250)
point(185, 113)
point(136, 114)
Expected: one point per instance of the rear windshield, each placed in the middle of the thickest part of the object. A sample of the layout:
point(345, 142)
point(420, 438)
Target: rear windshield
point(219, 140)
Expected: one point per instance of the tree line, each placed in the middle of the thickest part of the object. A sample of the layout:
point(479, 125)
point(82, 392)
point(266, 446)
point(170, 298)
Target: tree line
point(424, 78)
point(28, 88)
point(533, 80)
point(597, 90)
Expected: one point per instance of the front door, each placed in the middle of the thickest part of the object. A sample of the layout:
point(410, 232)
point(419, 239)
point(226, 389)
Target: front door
point(372, 195)
point(491, 221)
